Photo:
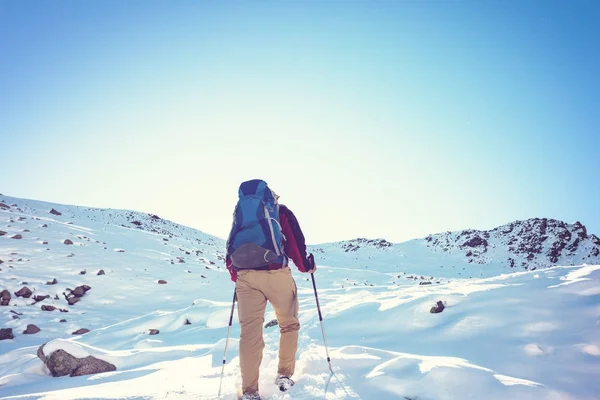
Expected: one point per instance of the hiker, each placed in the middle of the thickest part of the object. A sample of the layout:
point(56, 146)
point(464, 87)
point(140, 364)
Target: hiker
point(264, 236)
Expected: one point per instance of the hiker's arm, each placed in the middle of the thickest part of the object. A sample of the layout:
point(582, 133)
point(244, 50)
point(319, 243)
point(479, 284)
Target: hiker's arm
point(294, 245)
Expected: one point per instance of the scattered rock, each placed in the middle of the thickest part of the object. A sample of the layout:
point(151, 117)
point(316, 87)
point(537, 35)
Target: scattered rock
point(137, 223)
point(271, 323)
point(48, 308)
point(81, 331)
point(45, 226)
point(68, 242)
point(187, 322)
point(44, 242)
point(14, 312)
point(82, 272)
point(6, 333)
point(73, 300)
point(4, 298)
point(53, 211)
point(63, 320)
point(52, 282)
point(2, 233)
point(101, 272)
point(424, 283)
point(438, 308)
point(39, 298)
point(162, 282)
point(31, 329)
point(24, 292)
point(153, 332)
point(18, 236)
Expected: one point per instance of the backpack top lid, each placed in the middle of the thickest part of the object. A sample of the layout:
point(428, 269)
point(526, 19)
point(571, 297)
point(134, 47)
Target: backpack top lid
point(256, 187)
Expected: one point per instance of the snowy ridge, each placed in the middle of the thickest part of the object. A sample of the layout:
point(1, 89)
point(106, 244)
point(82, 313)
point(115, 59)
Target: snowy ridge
point(505, 333)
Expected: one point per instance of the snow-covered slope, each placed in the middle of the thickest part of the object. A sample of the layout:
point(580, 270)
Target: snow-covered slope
point(521, 245)
point(521, 335)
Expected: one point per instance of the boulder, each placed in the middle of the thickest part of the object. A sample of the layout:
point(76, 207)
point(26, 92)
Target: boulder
point(17, 237)
point(81, 331)
point(162, 282)
point(52, 282)
point(438, 308)
point(24, 292)
point(39, 298)
point(6, 333)
point(4, 298)
point(92, 365)
point(187, 322)
point(53, 211)
point(101, 272)
point(2, 233)
point(31, 329)
point(68, 242)
point(48, 308)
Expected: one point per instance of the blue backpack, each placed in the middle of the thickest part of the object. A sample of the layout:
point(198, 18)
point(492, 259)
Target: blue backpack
point(256, 239)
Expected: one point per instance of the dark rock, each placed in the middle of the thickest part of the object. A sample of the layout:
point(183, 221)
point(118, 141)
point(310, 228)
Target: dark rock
point(424, 283)
point(92, 365)
point(595, 252)
point(68, 242)
point(475, 241)
point(271, 323)
point(53, 211)
point(1, 262)
point(101, 272)
point(438, 308)
point(79, 291)
point(39, 298)
point(137, 223)
point(593, 238)
point(48, 308)
point(52, 282)
point(61, 363)
point(63, 310)
point(73, 300)
point(31, 329)
point(24, 292)
point(16, 237)
point(4, 298)
point(4, 206)
point(15, 317)
point(81, 331)
point(45, 226)
point(2, 233)
point(14, 312)
point(82, 272)
point(63, 320)
point(153, 332)
point(6, 333)
point(581, 230)
point(162, 282)
point(187, 322)
point(44, 242)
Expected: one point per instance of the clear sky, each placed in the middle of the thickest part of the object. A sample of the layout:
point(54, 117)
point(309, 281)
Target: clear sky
point(390, 119)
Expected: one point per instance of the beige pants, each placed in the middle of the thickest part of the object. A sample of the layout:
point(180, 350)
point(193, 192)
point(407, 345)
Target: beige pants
point(253, 289)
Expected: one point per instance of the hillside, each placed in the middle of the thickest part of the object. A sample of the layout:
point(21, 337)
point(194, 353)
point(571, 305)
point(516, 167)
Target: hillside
point(517, 331)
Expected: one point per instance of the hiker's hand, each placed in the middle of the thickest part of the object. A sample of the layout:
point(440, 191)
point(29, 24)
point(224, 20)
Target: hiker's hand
point(311, 260)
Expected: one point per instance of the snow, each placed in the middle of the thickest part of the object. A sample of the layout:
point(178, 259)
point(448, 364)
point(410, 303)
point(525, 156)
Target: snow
point(522, 335)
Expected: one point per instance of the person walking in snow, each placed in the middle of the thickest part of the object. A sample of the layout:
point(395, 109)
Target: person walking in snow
point(264, 236)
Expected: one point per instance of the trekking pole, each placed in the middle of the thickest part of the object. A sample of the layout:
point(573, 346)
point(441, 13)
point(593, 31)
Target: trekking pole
point(321, 321)
point(227, 340)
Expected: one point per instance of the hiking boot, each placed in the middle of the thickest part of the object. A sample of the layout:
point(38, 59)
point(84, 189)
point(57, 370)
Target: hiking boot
point(284, 382)
point(251, 396)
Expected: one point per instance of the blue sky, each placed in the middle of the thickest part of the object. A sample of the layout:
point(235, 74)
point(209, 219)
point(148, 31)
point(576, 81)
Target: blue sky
point(390, 119)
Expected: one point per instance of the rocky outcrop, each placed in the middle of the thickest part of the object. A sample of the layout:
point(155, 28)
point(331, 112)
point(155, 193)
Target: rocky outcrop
point(61, 363)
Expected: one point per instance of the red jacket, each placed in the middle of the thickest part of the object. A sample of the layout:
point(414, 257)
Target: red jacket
point(294, 245)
